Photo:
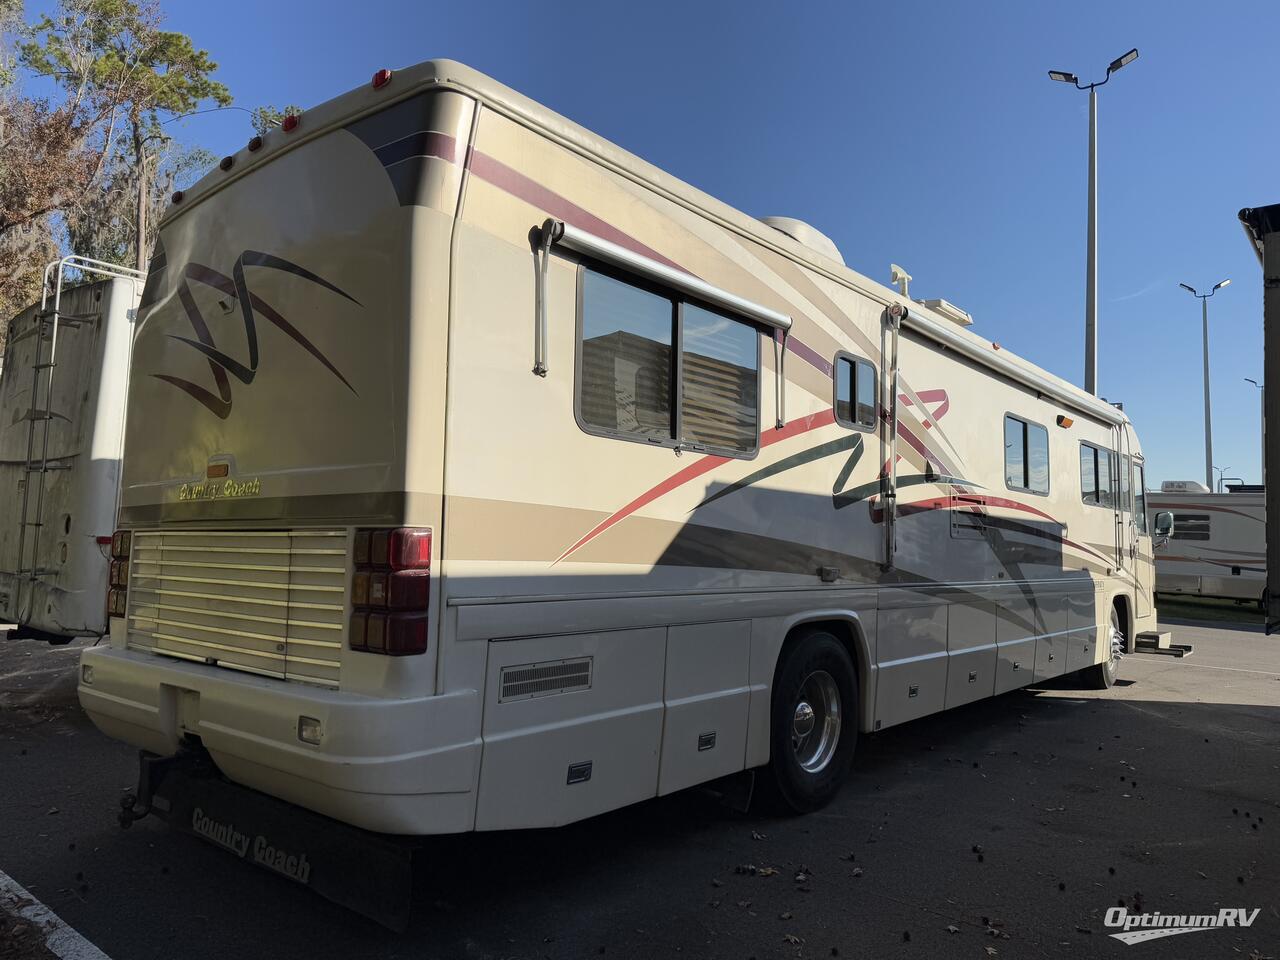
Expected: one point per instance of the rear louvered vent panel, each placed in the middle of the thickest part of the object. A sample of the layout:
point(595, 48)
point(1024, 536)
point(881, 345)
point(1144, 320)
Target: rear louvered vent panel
point(544, 679)
point(266, 602)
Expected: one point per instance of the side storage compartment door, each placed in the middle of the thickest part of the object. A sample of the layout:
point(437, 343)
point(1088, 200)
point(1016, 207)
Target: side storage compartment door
point(1082, 619)
point(1015, 643)
point(971, 651)
point(704, 734)
point(912, 646)
point(1052, 646)
point(572, 727)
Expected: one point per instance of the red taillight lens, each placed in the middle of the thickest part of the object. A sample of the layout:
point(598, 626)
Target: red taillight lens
point(116, 601)
point(406, 634)
point(121, 541)
point(391, 590)
point(120, 573)
point(289, 123)
point(410, 549)
point(381, 78)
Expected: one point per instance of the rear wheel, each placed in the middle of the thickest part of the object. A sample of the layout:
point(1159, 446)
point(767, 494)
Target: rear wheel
point(1102, 676)
point(814, 723)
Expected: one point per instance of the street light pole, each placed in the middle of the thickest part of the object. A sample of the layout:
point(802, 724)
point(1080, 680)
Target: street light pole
point(1091, 266)
point(1262, 422)
point(1208, 420)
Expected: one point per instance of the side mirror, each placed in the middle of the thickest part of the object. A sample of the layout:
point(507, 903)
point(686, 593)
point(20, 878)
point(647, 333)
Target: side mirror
point(1164, 524)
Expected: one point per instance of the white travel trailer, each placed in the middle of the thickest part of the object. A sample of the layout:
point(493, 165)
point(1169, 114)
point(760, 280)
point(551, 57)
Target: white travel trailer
point(480, 475)
point(1218, 547)
point(61, 429)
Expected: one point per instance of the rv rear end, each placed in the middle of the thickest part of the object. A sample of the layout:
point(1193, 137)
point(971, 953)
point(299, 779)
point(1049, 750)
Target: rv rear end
point(275, 578)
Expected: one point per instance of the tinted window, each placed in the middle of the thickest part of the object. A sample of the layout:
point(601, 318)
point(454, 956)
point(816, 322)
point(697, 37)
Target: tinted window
point(1140, 497)
point(1097, 483)
point(627, 335)
point(1106, 492)
point(1026, 455)
point(629, 368)
point(719, 380)
point(1191, 526)
point(855, 392)
point(1126, 466)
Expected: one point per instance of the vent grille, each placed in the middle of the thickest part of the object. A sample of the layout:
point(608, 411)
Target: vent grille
point(269, 602)
point(544, 679)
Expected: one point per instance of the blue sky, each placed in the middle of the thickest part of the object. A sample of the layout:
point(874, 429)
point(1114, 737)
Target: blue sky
point(927, 134)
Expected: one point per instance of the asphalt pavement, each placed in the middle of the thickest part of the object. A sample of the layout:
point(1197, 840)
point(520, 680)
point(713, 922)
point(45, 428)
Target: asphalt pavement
point(1005, 829)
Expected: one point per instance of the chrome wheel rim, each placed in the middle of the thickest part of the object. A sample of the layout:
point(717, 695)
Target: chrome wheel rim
point(1117, 646)
point(816, 721)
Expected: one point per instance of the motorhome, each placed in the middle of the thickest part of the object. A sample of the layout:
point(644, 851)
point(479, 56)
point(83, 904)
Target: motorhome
point(1218, 547)
point(479, 475)
point(62, 401)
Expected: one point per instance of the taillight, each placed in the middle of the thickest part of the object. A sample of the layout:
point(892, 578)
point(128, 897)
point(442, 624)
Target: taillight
point(118, 580)
point(390, 590)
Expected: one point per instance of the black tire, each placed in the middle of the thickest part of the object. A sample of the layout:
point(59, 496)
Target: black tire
point(813, 664)
point(1102, 676)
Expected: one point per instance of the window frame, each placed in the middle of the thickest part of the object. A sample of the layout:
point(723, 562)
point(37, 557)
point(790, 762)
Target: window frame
point(1112, 477)
point(1138, 487)
point(582, 264)
point(1027, 423)
point(854, 359)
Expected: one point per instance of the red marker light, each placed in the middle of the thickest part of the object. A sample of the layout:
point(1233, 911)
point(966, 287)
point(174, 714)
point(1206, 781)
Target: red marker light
point(381, 78)
point(290, 122)
point(177, 196)
point(255, 144)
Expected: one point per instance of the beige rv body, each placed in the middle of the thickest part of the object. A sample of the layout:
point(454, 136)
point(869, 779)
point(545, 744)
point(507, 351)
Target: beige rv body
point(1218, 547)
point(406, 222)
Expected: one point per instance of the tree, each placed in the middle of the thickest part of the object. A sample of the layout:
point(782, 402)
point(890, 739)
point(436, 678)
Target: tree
point(268, 116)
point(103, 224)
point(115, 51)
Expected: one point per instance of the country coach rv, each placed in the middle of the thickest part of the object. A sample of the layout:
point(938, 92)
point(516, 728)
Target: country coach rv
point(480, 475)
point(62, 400)
point(1219, 543)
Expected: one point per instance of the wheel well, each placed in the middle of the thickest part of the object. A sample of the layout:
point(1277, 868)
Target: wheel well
point(1121, 606)
point(849, 633)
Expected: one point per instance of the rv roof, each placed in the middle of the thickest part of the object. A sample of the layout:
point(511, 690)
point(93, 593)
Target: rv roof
point(453, 75)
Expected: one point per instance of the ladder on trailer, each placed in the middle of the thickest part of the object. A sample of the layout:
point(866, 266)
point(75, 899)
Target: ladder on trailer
point(36, 466)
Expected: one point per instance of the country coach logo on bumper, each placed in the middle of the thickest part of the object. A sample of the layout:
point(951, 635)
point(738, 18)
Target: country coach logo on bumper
point(1141, 927)
point(220, 363)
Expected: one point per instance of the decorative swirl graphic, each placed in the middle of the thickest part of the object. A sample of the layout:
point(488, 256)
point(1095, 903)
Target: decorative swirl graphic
point(221, 363)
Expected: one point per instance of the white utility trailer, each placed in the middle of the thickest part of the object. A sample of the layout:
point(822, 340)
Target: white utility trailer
point(61, 435)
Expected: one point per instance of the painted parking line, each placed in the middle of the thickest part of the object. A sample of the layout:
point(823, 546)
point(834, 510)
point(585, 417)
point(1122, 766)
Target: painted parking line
point(61, 940)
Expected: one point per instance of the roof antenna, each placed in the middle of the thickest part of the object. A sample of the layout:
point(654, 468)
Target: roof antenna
point(901, 278)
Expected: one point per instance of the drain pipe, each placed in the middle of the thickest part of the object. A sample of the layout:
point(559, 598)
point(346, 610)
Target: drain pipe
point(894, 316)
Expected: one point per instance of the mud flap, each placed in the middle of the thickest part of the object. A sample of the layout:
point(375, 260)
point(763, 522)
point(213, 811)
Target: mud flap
point(368, 873)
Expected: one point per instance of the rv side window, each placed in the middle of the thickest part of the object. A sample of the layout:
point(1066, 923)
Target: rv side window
point(1026, 455)
point(1191, 526)
point(1140, 497)
point(1126, 465)
point(855, 392)
point(718, 380)
point(1096, 482)
point(627, 337)
point(657, 369)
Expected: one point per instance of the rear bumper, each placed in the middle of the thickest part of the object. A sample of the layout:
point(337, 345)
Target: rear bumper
point(407, 766)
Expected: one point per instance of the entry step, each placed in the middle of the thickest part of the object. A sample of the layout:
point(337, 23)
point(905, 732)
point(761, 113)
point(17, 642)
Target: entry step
point(1161, 641)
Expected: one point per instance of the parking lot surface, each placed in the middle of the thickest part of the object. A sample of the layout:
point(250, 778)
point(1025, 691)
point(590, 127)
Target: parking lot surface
point(1000, 830)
